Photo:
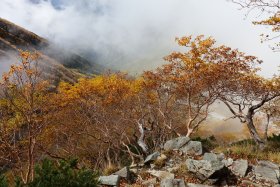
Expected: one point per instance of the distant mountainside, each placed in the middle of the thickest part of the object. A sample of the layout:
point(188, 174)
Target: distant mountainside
point(58, 64)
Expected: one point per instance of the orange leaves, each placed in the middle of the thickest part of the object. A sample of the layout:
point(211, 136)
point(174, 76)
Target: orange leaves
point(104, 89)
point(184, 41)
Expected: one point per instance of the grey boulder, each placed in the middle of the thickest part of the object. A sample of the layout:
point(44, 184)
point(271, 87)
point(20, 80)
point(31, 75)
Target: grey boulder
point(268, 171)
point(112, 180)
point(213, 157)
point(124, 173)
point(152, 157)
point(192, 148)
point(176, 143)
point(204, 169)
point(228, 162)
point(240, 167)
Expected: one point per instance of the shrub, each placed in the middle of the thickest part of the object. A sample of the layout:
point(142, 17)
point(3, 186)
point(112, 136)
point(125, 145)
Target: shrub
point(3, 181)
point(62, 173)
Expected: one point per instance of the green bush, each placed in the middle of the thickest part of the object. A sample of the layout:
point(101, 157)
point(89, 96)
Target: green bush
point(61, 174)
point(3, 181)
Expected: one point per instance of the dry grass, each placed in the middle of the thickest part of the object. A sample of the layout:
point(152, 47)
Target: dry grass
point(182, 170)
point(159, 163)
point(110, 169)
point(247, 150)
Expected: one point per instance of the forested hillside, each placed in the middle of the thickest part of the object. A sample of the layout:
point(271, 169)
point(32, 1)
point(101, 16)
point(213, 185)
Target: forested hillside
point(64, 121)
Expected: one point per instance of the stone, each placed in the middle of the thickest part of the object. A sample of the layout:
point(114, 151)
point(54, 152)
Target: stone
point(270, 165)
point(152, 157)
point(162, 174)
point(176, 144)
point(204, 169)
point(150, 182)
point(112, 180)
point(124, 173)
point(213, 157)
point(228, 162)
point(240, 167)
point(192, 148)
point(172, 183)
point(266, 173)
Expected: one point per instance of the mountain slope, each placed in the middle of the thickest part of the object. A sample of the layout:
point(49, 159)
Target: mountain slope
point(57, 64)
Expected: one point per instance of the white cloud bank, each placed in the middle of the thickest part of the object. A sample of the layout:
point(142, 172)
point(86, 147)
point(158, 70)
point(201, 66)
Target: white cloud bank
point(135, 34)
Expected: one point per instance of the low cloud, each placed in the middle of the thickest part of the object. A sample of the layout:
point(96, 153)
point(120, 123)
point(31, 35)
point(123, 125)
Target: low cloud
point(134, 35)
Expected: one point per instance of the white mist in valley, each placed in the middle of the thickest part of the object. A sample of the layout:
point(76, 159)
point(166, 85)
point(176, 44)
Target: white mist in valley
point(132, 35)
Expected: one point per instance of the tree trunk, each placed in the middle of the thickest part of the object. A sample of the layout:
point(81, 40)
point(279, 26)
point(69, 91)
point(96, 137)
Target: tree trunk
point(141, 141)
point(253, 131)
point(190, 131)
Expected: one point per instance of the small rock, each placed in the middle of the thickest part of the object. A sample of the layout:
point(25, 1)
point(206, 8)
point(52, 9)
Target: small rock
point(150, 182)
point(152, 157)
point(204, 169)
point(270, 165)
point(239, 167)
point(266, 173)
point(162, 174)
point(112, 180)
point(192, 148)
point(172, 183)
point(124, 173)
point(228, 162)
point(176, 143)
point(213, 157)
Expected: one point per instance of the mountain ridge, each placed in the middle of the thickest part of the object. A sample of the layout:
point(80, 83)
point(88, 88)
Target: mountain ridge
point(58, 64)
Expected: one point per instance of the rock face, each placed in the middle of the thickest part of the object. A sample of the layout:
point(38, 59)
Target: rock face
point(192, 148)
point(211, 169)
point(124, 173)
point(176, 144)
point(151, 157)
point(239, 167)
point(213, 157)
point(57, 63)
point(172, 183)
point(204, 169)
point(228, 162)
point(112, 180)
point(268, 171)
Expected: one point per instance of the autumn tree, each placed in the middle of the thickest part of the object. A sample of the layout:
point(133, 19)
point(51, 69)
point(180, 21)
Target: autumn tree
point(23, 114)
point(271, 9)
point(195, 79)
point(246, 95)
point(100, 111)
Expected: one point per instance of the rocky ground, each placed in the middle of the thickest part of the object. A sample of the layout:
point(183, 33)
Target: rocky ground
point(183, 163)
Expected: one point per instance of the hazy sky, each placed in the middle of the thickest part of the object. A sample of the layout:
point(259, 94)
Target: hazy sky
point(135, 34)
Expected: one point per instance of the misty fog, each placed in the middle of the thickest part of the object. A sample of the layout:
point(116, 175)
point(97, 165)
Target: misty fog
point(132, 35)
